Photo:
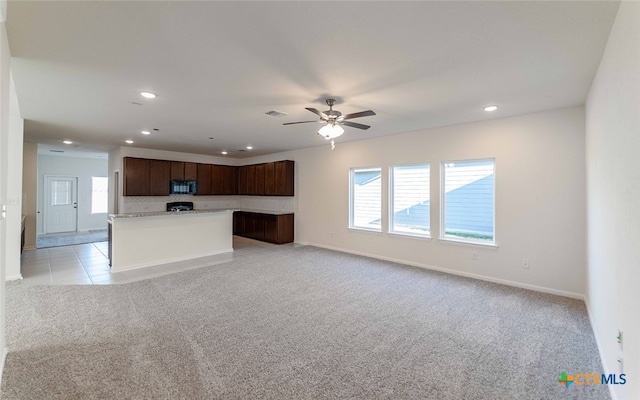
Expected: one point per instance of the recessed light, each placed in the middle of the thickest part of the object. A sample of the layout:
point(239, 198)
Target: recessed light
point(249, 147)
point(148, 95)
point(224, 153)
point(490, 108)
point(67, 142)
point(129, 141)
point(145, 132)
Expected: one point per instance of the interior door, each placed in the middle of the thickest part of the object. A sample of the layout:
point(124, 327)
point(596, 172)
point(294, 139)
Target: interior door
point(61, 204)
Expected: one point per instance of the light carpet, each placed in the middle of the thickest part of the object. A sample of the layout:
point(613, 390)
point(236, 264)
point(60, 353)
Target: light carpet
point(296, 323)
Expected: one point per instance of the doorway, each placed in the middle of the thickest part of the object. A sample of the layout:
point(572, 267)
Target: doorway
point(60, 204)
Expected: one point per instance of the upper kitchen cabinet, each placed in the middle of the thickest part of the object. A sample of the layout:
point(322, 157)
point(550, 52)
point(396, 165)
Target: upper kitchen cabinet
point(223, 179)
point(137, 176)
point(241, 180)
point(284, 178)
point(204, 179)
point(259, 186)
point(159, 177)
point(177, 170)
point(268, 179)
point(190, 171)
point(184, 171)
point(143, 177)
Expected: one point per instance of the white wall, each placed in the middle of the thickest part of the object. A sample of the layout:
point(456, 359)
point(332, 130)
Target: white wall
point(540, 197)
point(84, 169)
point(613, 181)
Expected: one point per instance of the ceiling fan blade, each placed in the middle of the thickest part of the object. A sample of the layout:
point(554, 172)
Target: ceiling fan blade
point(301, 122)
point(354, 125)
point(359, 114)
point(319, 113)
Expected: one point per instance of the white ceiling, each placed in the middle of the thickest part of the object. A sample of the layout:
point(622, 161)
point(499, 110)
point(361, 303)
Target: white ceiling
point(218, 67)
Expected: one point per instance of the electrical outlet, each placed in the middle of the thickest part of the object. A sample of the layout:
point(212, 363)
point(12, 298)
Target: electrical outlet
point(525, 263)
point(474, 255)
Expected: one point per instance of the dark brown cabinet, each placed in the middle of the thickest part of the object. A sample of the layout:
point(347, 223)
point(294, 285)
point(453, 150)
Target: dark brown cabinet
point(204, 179)
point(251, 180)
point(270, 228)
point(143, 177)
point(270, 179)
point(146, 177)
point(187, 171)
point(259, 185)
point(284, 178)
point(242, 180)
point(230, 180)
point(190, 171)
point(137, 178)
point(177, 170)
point(159, 177)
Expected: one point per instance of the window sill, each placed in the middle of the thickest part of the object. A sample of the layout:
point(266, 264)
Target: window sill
point(468, 243)
point(355, 229)
point(409, 235)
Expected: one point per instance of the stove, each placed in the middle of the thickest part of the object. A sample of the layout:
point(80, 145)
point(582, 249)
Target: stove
point(180, 206)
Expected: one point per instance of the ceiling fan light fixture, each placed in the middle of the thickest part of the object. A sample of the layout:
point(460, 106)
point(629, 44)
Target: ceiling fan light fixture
point(331, 131)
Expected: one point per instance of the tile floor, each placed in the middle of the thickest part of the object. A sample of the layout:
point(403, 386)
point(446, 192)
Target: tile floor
point(87, 264)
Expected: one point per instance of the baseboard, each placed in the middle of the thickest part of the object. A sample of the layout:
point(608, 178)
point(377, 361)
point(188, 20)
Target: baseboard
point(4, 357)
point(542, 289)
point(13, 277)
point(606, 370)
point(30, 247)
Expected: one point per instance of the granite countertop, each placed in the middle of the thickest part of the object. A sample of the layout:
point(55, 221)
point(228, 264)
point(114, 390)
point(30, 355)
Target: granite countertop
point(209, 211)
point(165, 213)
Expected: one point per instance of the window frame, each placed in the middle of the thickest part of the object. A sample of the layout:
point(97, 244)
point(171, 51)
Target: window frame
point(352, 172)
point(391, 190)
point(443, 205)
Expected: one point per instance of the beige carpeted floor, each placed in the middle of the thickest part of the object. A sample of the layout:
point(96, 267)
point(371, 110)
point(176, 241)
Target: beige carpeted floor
point(296, 323)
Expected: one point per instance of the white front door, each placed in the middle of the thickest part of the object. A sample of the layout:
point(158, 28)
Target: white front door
point(61, 204)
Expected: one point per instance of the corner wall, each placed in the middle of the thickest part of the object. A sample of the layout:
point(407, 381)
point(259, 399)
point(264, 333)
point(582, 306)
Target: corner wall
point(613, 213)
point(540, 198)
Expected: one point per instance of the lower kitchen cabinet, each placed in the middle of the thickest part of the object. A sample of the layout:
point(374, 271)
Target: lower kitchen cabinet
point(272, 228)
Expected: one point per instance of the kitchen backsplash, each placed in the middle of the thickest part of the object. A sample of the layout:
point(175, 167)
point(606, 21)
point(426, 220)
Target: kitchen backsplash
point(131, 204)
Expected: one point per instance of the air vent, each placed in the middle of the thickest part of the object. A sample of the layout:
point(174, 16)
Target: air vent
point(57, 151)
point(275, 113)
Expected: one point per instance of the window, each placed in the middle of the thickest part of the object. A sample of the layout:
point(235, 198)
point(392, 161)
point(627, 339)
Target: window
point(365, 211)
point(410, 199)
point(468, 201)
point(99, 194)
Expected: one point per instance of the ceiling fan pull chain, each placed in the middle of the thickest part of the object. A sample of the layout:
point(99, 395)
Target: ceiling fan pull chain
point(333, 144)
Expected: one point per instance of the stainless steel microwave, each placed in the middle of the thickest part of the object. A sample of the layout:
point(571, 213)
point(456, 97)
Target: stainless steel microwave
point(183, 187)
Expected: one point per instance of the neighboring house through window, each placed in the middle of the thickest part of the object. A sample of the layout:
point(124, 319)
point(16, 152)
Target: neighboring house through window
point(365, 209)
point(468, 201)
point(410, 199)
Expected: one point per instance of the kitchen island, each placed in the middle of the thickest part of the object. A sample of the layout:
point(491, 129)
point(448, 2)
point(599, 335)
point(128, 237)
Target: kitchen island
point(139, 240)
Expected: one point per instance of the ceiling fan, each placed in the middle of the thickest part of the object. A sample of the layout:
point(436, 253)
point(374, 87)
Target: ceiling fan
point(332, 119)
